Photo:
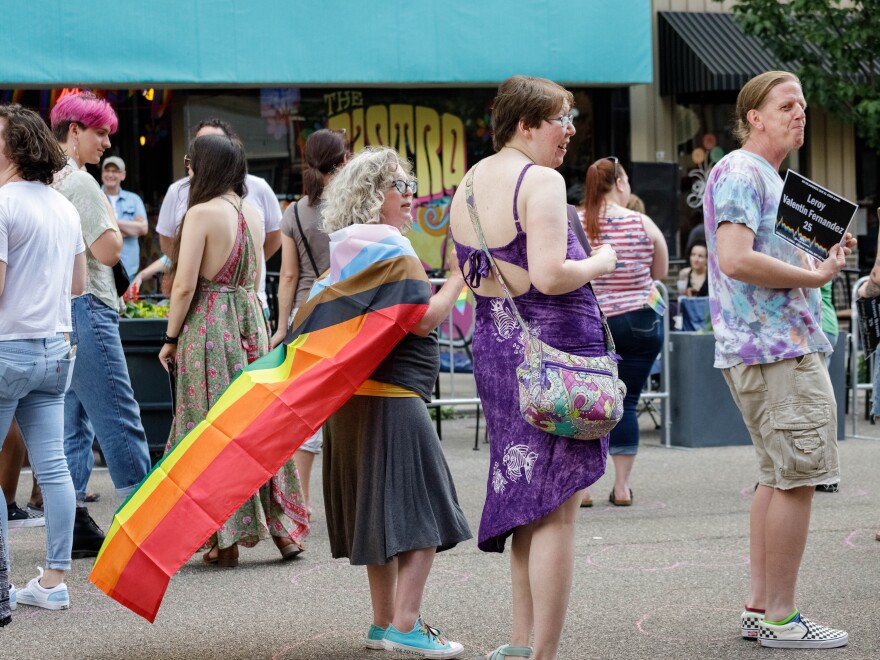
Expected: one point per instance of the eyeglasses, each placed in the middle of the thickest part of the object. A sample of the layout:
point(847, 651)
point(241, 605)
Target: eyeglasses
point(564, 120)
point(186, 161)
point(402, 185)
point(616, 162)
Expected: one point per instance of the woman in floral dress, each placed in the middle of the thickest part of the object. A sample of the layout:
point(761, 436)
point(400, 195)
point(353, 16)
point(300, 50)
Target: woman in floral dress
point(216, 327)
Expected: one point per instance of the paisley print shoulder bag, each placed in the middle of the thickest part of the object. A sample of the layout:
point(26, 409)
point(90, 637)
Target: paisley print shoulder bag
point(559, 393)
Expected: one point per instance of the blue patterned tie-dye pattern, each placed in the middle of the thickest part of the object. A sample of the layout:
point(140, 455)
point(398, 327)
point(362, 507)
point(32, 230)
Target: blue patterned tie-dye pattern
point(754, 324)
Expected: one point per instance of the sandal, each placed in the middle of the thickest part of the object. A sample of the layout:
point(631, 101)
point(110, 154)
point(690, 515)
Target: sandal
point(288, 547)
point(621, 502)
point(508, 651)
point(223, 557)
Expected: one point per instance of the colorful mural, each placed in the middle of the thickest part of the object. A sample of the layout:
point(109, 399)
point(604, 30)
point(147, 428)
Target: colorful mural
point(435, 143)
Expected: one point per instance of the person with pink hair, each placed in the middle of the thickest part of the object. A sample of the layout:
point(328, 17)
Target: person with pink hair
point(100, 400)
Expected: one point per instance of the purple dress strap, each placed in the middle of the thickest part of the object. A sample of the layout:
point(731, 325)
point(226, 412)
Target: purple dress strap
point(516, 194)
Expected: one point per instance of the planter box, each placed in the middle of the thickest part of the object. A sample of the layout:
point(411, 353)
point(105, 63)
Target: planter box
point(141, 342)
point(702, 409)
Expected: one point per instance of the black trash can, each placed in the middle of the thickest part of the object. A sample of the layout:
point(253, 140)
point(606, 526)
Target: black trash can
point(141, 343)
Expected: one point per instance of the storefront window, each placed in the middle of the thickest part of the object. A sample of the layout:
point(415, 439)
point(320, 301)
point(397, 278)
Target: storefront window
point(704, 137)
point(441, 131)
point(704, 133)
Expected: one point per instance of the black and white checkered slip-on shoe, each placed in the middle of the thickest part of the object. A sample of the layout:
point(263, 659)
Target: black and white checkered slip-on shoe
point(18, 517)
point(800, 633)
point(750, 621)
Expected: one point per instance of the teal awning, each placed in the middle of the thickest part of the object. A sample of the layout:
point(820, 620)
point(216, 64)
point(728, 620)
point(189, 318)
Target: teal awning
point(190, 43)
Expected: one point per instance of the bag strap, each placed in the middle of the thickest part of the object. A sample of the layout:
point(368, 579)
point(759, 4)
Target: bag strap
point(575, 222)
point(305, 240)
point(475, 220)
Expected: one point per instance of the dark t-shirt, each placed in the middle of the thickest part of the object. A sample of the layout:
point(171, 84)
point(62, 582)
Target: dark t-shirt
point(414, 364)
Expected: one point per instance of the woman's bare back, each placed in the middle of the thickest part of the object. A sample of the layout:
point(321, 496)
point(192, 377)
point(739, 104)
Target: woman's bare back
point(220, 216)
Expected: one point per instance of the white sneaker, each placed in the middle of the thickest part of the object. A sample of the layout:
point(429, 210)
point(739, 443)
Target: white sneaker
point(13, 603)
point(750, 621)
point(34, 595)
point(800, 633)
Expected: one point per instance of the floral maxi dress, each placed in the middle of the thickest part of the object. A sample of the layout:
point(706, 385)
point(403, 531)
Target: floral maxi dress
point(223, 331)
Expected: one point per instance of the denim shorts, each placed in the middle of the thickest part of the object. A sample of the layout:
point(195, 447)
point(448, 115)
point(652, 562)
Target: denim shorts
point(314, 444)
point(791, 414)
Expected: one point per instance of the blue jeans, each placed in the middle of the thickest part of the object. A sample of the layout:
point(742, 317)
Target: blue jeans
point(100, 398)
point(34, 373)
point(638, 338)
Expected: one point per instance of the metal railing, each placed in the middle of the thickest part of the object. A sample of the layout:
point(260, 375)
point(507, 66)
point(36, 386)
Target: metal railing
point(855, 386)
point(450, 344)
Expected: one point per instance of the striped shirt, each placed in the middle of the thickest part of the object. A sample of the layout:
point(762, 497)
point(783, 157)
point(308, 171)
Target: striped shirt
point(630, 285)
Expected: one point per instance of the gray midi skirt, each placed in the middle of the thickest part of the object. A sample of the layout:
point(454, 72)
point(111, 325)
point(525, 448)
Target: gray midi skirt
point(387, 487)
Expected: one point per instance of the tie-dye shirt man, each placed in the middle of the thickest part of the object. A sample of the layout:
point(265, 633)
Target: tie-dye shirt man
point(755, 324)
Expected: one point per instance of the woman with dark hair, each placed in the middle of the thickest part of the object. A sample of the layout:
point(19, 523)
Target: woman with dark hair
point(626, 296)
point(305, 255)
point(216, 321)
point(695, 277)
point(535, 479)
point(41, 246)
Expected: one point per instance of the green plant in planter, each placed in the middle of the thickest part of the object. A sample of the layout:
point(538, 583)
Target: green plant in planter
point(144, 309)
point(446, 412)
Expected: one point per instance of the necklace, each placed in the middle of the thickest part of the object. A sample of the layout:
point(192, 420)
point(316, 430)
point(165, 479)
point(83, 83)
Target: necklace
point(528, 158)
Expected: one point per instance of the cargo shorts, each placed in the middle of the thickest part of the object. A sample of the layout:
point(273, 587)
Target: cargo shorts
point(790, 412)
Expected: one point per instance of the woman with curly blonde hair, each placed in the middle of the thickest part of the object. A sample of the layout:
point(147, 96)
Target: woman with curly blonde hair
point(389, 497)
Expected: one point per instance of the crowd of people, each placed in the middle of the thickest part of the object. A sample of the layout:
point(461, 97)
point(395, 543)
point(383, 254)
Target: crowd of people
point(582, 283)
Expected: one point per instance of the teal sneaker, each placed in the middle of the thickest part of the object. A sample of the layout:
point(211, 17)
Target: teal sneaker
point(423, 641)
point(374, 637)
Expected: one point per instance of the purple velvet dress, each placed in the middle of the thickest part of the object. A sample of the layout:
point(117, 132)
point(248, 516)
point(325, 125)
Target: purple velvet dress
point(531, 473)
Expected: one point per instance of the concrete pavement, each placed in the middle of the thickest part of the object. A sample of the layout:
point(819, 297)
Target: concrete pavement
point(665, 578)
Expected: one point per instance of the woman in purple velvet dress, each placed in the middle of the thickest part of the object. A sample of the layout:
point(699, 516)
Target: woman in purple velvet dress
point(535, 479)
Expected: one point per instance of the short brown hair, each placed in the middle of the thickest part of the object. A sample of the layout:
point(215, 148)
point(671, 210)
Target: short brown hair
point(524, 98)
point(30, 145)
point(752, 97)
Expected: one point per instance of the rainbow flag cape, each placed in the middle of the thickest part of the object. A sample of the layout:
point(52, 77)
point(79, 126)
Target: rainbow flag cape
point(374, 293)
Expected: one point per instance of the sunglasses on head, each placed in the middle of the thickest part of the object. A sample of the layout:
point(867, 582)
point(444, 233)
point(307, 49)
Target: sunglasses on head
point(616, 162)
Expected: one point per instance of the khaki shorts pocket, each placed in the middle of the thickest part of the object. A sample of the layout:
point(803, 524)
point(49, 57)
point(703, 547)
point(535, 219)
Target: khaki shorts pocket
point(748, 378)
point(801, 432)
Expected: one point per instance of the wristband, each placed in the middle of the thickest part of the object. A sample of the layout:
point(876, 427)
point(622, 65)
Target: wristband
point(169, 340)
